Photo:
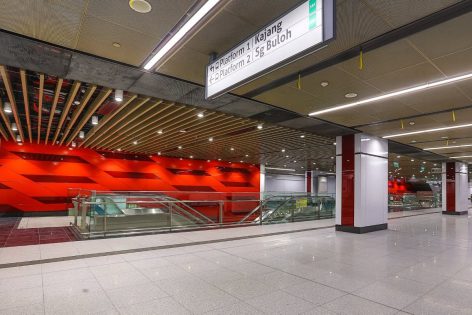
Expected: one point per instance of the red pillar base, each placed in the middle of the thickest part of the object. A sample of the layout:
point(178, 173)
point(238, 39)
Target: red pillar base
point(455, 212)
point(361, 230)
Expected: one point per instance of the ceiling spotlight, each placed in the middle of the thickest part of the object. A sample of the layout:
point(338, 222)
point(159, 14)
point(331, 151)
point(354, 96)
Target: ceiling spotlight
point(411, 123)
point(73, 144)
point(413, 141)
point(219, 159)
point(7, 108)
point(302, 136)
point(241, 162)
point(200, 115)
point(81, 134)
point(210, 139)
point(332, 157)
point(208, 161)
point(119, 149)
point(283, 150)
point(287, 156)
point(350, 95)
point(247, 155)
point(14, 127)
point(334, 143)
point(179, 147)
point(119, 95)
point(191, 156)
point(232, 149)
point(94, 120)
point(444, 137)
point(412, 160)
point(159, 153)
point(259, 126)
point(18, 138)
point(76, 102)
point(398, 156)
point(135, 142)
point(324, 83)
point(140, 6)
point(116, 44)
point(159, 131)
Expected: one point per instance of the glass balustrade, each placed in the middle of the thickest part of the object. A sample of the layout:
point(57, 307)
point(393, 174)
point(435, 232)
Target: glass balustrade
point(100, 213)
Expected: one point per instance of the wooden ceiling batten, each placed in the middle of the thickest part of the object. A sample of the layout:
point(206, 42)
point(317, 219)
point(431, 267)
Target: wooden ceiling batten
point(40, 104)
point(124, 137)
point(53, 108)
point(86, 98)
point(72, 93)
point(102, 96)
point(118, 130)
point(179, 113)
point(107, 118)
point(210, 130)
point(24, 89)
point(108, 129)
point(6, 121)
point(11, 97)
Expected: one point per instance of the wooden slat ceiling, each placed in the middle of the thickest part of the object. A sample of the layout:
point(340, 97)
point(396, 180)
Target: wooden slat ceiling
point(51, 110)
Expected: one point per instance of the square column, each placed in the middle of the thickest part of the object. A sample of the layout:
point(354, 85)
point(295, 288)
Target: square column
point(455, 188)
point(361, 183)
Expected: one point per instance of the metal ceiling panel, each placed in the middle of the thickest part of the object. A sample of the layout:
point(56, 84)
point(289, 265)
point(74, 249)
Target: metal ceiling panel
point(244, 108)
point(103, 72)
point(29, 54)
point(275, 115)
point(152, 84)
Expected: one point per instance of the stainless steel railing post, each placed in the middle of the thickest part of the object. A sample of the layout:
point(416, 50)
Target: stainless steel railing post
point(83, 216)
point(105, 219)
point(170, 217)
point(260, 209)
point(220, 214)
point(76, 203)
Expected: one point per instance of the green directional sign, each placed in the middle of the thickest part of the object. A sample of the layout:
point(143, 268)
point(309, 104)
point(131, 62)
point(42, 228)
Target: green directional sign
point(312, 14)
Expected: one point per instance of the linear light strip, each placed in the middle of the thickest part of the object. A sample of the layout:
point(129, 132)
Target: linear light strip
point(449, 147)
point(392, 94)
point(427, 130)
point(210, 4)
point(280, 169)
point(460, 157)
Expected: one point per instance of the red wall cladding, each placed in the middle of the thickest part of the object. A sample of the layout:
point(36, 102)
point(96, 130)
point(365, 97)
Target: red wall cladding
point(35, 178)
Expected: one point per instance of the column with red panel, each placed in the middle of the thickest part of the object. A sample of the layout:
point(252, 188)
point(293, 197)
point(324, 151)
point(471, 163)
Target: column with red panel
point(361, 183)
point(455, 188)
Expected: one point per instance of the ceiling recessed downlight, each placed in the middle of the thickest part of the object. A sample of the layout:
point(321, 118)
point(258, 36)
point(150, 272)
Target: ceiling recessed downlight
point(116, 45)
point(324, 83)
point(140, 6)
point(350, 95)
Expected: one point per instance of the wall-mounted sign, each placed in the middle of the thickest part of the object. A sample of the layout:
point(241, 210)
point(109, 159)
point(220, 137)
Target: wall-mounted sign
point(295, 34)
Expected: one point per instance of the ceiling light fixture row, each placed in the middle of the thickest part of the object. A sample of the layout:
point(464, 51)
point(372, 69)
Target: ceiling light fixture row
point(393, 94)
point(188, 26)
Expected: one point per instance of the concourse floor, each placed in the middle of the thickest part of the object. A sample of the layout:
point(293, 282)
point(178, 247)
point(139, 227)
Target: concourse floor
point(420, 265)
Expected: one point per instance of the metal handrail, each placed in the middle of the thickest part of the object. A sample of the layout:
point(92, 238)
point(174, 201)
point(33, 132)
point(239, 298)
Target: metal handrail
point(177, 205)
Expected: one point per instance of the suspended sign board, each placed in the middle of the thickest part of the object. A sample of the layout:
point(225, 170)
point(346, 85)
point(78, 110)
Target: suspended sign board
point(295, 34)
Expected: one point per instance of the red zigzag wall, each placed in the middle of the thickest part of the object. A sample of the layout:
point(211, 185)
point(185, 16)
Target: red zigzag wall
point(35, 178)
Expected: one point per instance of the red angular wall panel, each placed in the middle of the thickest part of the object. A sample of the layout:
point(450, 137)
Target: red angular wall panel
point(36, 178)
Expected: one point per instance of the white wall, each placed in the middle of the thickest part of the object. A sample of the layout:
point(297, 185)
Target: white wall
point(284, 183)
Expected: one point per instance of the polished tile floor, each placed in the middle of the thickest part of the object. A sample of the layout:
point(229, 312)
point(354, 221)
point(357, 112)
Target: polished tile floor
point(421, 265)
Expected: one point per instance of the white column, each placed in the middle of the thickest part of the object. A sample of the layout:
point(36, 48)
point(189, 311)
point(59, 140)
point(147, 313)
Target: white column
point(455, 188)
point(262, 180)
point(361, 183)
